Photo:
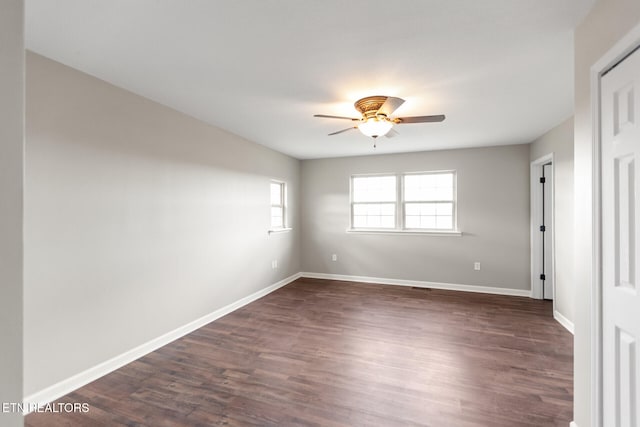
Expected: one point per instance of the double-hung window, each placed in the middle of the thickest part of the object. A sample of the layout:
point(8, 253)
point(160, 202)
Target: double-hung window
point(429, 201)
point(421, 202)
point(278, 195)
point(373, 201)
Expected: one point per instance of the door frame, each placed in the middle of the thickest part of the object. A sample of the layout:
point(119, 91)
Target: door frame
point(612, 57)
point(536, 220)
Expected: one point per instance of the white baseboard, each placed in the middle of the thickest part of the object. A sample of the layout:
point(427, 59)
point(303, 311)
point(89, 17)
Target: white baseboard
point(68, 385)
point(421, 284)
point(568, 324)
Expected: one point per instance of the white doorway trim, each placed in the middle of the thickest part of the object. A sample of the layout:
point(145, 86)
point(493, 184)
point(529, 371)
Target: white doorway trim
point(619, 51)
point(536, 221)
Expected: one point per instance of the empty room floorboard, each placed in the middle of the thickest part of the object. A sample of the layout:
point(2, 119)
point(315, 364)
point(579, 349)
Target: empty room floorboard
point(331, 353)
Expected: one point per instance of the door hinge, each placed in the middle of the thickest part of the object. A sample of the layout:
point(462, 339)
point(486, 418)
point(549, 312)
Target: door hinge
point(543, 228)
point(543, 277)
point(542, 180)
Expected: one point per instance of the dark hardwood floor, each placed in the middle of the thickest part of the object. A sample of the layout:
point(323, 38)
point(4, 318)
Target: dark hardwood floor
point(329, 353)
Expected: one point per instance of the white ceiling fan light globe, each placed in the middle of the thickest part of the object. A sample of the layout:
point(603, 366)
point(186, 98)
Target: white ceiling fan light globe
point(375, 127)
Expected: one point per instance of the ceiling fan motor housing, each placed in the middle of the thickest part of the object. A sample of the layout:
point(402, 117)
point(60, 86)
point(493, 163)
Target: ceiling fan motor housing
point(370, 105)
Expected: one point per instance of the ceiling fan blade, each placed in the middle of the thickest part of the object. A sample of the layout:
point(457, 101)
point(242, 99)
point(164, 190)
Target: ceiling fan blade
point(392, 132)
point(324, 116)
point(420, 119)
point(390, 105)
point(343, 130)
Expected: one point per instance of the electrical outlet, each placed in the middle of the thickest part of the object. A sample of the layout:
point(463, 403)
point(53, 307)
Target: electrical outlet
point(334, 257)
point(274, 264)
point(476, 266)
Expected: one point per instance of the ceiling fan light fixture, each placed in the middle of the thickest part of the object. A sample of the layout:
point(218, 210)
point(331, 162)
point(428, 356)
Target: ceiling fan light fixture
point(375, 127)
point(376, 117)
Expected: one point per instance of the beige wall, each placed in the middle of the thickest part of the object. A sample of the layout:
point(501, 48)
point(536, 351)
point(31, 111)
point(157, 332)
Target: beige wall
point(138, 219)
point(608, 21)
point(493, 213)
point(11, 208)
point(559, 141)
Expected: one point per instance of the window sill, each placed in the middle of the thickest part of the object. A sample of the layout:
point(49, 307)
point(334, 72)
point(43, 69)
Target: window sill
point(447, 233)
point(279, 230)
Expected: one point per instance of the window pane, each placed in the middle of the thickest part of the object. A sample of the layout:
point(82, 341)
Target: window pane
point(277, 219)
point(427, 208)
point(428, 221)
point(359, 210)
point(411, 209)
point(411, 194)
point(359, 221)
point(412, 185)
point(429, 180)
point(444, 209)
point(444, 222)
point(276, 193)
point(374, 189)
point(429, 215)
point(420, 208)
point(387, 221)
point(429, 193)
point(374, 215)
point(443, 193)
point(412, 222)
point(373, 210)
point(444, 180)
point(426, 187)
point(388, 209)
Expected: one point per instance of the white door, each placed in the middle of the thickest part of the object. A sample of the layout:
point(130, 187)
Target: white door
point(620, 109)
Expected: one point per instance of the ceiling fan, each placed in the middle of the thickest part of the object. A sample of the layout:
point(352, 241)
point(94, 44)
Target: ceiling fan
point(376, 120)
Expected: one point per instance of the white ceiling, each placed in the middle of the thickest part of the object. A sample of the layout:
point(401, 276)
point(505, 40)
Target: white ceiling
point(501, 70)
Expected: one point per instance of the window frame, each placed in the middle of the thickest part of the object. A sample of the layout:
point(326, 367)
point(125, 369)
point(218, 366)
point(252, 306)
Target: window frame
point(282, 205)
point(453, 201)
point(352, 203)
point(400, 203)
